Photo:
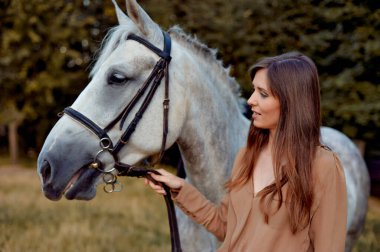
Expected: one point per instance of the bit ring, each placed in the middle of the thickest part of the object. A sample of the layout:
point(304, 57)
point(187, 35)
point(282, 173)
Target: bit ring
point(97, 161)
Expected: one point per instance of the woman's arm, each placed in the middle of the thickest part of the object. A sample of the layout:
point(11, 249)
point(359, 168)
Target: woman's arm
point(328, 223)
point(213, 217)
point(193, 203)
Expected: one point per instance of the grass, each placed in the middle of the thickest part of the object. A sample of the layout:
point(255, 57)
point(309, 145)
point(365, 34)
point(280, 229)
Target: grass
point(369, 241)
point(133, 220)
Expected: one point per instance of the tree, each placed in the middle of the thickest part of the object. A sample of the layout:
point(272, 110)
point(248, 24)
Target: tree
point(45, 49)
point(341, 36)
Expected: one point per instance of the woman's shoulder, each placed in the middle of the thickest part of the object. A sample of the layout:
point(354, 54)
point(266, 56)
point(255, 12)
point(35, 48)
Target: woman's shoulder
point(326, 163)
point(328, 177)
point(324, 156)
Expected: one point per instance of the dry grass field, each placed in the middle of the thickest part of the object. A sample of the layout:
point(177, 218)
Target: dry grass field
point(133, 220)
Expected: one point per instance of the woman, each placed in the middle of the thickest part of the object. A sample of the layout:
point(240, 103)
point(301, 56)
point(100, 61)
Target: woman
point(286, 191)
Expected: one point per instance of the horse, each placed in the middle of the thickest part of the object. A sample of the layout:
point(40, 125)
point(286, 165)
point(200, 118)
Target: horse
point(205, 120)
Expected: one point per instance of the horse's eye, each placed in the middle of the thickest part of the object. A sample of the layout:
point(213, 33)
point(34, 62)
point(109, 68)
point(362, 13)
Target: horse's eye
point(116, 78)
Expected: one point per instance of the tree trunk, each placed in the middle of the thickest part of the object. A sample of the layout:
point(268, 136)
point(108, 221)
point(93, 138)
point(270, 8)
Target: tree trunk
point(13, 143)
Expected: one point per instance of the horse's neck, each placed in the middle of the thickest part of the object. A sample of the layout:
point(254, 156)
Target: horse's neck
point(214, 131)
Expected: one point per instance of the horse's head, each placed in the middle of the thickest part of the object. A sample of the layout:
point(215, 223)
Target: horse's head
point(123, 67)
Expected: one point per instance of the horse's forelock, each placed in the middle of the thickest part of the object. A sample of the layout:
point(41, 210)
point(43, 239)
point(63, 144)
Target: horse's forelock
point(110, 42)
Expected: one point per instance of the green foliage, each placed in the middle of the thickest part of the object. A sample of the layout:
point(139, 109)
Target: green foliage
point(47, 47)
point(342, 37)
point(45, 50)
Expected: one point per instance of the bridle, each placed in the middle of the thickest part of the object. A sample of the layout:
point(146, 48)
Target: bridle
point(160, 70)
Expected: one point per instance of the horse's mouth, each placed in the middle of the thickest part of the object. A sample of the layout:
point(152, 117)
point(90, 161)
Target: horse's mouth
point(73, 180)
point(82, 184)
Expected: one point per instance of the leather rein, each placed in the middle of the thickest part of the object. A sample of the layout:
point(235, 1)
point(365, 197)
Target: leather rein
point(160, 70)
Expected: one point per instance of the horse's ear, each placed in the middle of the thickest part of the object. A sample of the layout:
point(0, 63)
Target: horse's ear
point(145, 24)
point(122, 18)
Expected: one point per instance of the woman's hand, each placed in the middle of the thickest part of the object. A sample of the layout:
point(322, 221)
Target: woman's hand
point(173, 182)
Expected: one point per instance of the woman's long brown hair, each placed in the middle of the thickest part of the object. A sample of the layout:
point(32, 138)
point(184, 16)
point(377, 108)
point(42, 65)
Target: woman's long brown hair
point(293, 79)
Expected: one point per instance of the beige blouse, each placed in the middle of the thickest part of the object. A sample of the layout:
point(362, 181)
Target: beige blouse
point(239, 223)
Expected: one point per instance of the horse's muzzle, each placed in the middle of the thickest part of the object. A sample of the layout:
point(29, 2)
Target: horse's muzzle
point(48, 188)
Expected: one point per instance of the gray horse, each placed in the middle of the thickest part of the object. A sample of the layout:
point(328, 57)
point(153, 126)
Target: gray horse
point(205, 120)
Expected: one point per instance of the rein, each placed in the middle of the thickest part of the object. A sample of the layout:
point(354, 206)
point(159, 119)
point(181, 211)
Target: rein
point(160, 70)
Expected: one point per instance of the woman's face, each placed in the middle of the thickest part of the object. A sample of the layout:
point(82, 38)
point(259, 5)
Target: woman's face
point(265, 107)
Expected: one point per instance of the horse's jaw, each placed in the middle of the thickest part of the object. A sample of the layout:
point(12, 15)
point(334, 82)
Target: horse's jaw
point(84, 188)
point(77, 184)
point(63, 166)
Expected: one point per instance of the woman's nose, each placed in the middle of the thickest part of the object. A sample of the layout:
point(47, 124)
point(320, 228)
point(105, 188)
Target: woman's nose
point(252, 101)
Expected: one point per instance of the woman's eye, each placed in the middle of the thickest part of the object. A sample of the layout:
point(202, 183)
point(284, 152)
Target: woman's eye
point(117, 79)
point(263, 94)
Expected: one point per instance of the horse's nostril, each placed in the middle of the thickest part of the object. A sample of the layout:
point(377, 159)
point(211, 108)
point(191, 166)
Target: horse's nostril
point(45, 171)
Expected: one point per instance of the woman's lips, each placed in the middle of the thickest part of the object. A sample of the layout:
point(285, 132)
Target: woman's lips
point(255, 114)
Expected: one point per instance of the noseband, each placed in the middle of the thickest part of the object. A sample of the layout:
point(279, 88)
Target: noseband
point(160, 70)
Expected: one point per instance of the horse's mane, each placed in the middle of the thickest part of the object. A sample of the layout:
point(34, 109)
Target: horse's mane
point(119, 33)
point(208, 54)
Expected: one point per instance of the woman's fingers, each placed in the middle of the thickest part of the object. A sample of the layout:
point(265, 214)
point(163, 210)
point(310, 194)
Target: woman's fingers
point(157, 187)
point(169, 179)
point(160, 178)
point(165, 177)
point(164, 172)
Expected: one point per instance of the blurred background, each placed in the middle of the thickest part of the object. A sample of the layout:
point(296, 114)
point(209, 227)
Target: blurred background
point(46, 53)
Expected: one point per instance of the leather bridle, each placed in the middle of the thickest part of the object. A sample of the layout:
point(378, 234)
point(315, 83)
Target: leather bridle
point(160, 70)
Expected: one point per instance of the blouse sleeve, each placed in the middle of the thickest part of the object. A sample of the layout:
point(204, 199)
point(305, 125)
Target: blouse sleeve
point(328, 223)
point(201, 210)
point(213, 217)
